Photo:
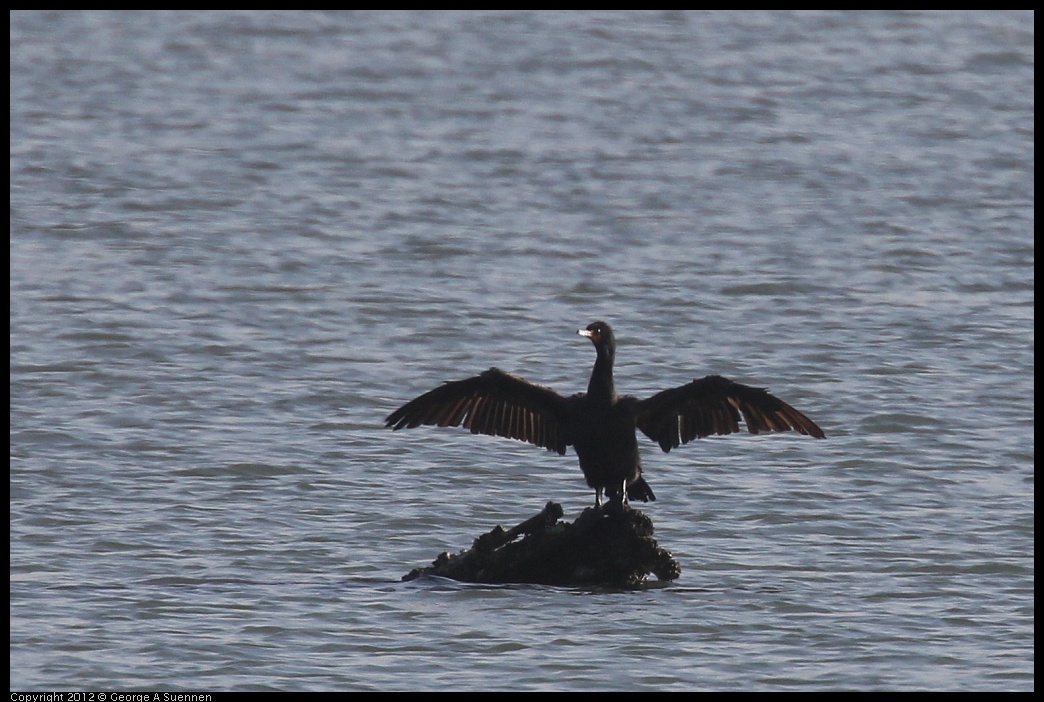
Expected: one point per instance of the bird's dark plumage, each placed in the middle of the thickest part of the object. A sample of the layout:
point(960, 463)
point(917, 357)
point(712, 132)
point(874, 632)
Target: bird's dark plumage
point(599, 424)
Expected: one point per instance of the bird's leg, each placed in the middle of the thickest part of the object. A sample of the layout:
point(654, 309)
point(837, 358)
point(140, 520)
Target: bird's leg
point(598, 498)
point(616, 501)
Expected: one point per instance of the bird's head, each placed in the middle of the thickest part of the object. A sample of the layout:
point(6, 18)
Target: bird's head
point(600, 334)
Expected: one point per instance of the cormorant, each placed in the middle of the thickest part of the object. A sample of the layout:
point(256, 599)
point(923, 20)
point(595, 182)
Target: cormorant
point(599, 424)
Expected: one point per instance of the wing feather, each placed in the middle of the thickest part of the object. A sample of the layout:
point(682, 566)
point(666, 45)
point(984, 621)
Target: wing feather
point(715, 405)
point(494, 403)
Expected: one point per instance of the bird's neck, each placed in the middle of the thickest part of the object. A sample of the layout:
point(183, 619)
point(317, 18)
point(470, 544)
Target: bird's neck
point(601, 384)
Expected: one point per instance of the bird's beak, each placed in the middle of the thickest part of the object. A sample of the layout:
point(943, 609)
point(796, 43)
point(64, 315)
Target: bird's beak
point(594, 336)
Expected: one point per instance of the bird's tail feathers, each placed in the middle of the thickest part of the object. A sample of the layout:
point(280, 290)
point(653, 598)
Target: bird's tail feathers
point(640, 490)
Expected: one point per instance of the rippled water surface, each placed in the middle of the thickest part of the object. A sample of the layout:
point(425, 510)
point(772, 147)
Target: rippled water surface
point(239, 240)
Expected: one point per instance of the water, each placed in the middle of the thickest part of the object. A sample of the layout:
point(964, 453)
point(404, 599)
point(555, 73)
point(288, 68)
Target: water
point(239, 240)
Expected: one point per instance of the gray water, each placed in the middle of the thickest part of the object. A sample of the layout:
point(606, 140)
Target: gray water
point(239, 240)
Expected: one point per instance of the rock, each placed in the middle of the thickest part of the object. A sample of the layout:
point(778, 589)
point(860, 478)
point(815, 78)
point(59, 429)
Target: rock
point(602, 547)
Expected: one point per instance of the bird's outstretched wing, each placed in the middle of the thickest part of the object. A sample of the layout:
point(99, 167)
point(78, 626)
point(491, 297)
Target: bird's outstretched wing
point(494, 403)
point(714, 405)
